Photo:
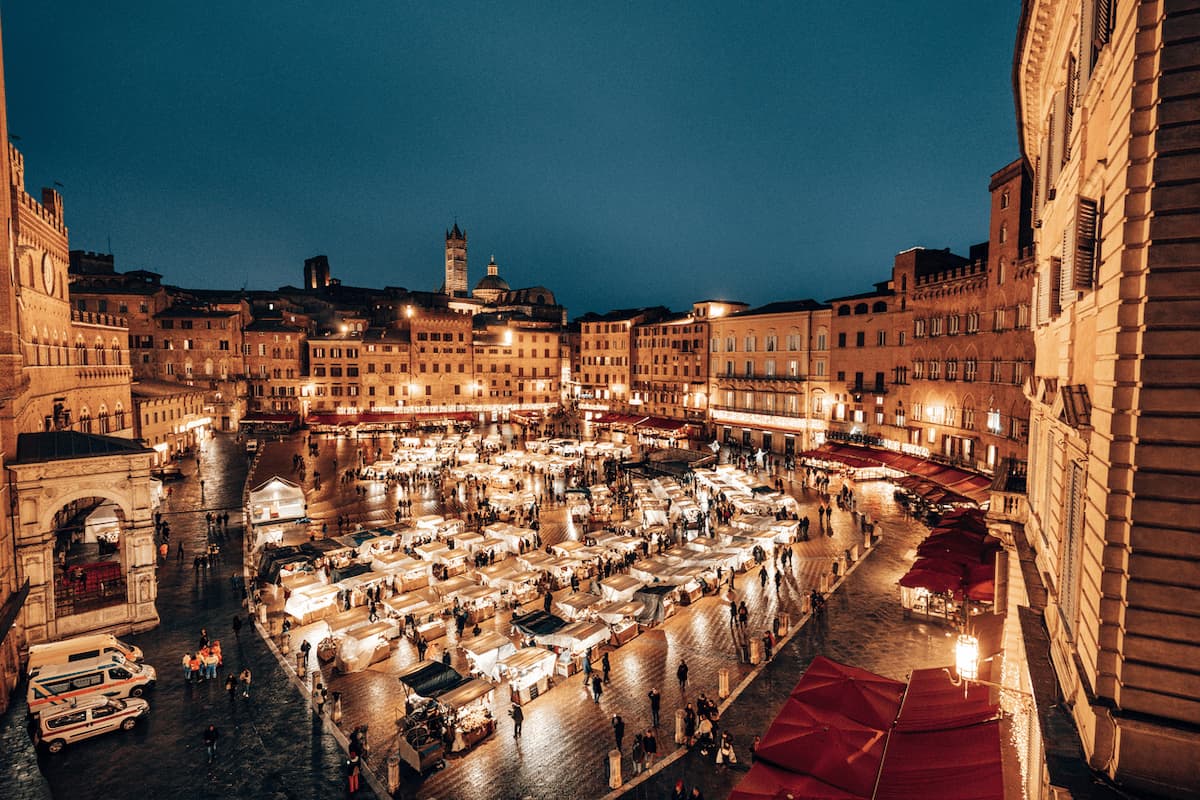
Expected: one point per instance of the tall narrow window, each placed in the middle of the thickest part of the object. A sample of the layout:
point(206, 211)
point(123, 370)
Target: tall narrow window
point(1072, 544)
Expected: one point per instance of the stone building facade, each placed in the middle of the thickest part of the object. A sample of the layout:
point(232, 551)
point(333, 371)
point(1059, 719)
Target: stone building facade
point(1109, 123)
point(769, 383)
point(606, 347)
point(65, 376)
point(169, 418)
point(276, 365)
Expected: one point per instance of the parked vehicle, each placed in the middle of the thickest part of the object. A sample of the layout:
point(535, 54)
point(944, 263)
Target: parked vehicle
point(167, 472)
point(87, 718)
point(80, 648)
point(109, 676)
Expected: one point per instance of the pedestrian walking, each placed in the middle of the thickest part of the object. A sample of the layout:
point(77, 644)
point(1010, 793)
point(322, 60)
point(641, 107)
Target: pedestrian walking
point(179, 553)
point(237, 626)
point(587, 667)
point(203, 638)
point(518, 716)
point(597, 690)
point(352, 774)
point(231, 686)
point(655, 705)
point(319, 699)
point(187, 667)
point(762, 576)
point(639, 754)
point(768, 643)
point(244, 679)
point(618, 726)
point(650, 745)
point(211, 734)
point(679, 793)
point(605, 666)
point(682, 675)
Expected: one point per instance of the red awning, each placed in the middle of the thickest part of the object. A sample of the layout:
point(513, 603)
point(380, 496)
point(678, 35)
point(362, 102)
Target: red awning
point(824, 744)
point(619, 419)
point(957, 482)
point(935, 575)
point(862, 696)
point(662, 424)
point(941, 742)
point(932, 703)
point(960, 546)
point(955, 764)
point(766, 782)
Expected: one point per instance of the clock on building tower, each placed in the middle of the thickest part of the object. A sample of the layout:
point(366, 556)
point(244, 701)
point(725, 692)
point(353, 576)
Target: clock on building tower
point(48, 273)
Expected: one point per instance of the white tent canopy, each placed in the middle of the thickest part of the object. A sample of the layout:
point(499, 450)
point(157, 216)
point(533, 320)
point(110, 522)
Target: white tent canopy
point(276, 500)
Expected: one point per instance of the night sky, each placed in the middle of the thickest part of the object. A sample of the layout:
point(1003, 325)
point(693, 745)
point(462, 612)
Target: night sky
point(621, 154)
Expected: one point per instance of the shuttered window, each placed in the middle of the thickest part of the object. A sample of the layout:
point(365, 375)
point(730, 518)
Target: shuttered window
point(1072, 539)
point(1087, 228)
point(1066, 273)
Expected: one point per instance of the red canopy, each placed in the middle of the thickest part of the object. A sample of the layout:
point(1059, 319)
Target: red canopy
point(955, 764)
point(955, 545)
point(765, 782)
point(935, 575)
point(932, 702)
point(824, 744)
point(861, 696)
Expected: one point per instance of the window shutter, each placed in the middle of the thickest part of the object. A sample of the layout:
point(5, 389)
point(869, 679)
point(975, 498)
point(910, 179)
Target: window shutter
point(1086, 244)
point(1069, 107)
point(1102, 29)
point(1066, 272)
point(1052, 288)
point(1043, 297)
point(1057, 135)
point(1037, 191)
point(1087, 22)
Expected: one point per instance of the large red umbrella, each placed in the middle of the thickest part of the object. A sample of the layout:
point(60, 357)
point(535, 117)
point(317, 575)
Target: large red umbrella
point(981, 583)
point(860, 695)
point(765, 782)
point(958, 545)
point(824, 744)
point(935, 575)
point(970, 519)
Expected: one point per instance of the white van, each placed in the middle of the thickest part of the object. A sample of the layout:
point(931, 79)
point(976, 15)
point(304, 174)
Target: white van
point(110, 675)
point(80, 648)
point(90, 717)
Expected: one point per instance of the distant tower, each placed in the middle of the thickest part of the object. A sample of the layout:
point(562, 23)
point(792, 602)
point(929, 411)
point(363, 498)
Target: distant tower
point(456, 263)
point(316, 272)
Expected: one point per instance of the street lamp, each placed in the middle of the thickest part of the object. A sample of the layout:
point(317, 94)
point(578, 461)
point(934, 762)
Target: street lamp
point(966, 657)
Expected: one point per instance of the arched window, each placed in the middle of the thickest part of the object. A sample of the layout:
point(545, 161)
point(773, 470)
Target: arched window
point(843, 311)
point(880, 307)
point(861, 308)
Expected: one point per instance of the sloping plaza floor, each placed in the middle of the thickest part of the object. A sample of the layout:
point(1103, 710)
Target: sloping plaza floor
point(567, 737)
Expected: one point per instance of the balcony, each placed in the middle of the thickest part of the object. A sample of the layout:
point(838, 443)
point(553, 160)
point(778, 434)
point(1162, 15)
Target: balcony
point(761, 411)
point(1009, 502)
point(862, 388)
point(761, 376)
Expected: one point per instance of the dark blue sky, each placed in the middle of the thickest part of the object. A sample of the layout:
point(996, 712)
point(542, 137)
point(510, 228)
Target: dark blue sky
point(620, 153)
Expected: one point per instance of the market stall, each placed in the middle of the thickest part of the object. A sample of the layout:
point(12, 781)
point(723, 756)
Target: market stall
point(276, 500)
point(576, 605)
point(362, 646)
point(485, 651)
point(103, 527)
point(479, 602)
point(407, 573)
point(426, 616)
point(469, 712)
point(312, 602)
point(621, 618)
point(528, 672)
point(658, 602)
point(620, 587)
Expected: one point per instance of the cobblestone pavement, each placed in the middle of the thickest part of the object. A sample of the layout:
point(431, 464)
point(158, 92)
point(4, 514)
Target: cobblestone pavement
point(566, 735)
point(864, 626)
point(269, 746)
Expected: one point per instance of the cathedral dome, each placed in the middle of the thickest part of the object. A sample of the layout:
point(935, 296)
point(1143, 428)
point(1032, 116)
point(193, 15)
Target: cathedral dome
point(492, 282)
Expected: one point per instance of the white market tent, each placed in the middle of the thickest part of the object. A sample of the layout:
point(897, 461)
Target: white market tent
point(484, 651)
point(276, 500)
point(102, 524)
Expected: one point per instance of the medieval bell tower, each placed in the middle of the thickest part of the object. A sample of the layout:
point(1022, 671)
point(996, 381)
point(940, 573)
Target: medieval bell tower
point(456, 263)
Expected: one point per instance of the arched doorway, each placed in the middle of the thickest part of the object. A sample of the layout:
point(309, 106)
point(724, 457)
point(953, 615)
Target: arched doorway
point(89, 572)
point(84, 534)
